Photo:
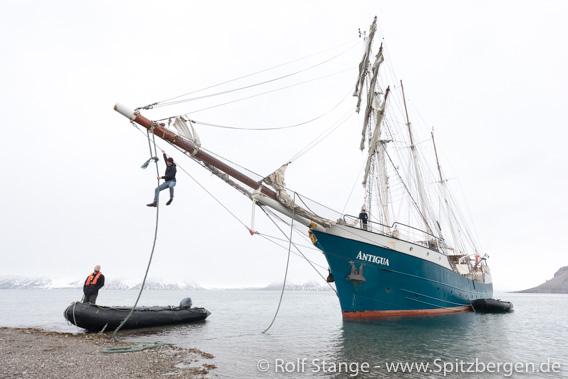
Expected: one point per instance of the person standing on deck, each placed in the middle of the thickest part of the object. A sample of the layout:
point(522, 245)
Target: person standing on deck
point(363, 216)
point(169, 181)
point(92, 285)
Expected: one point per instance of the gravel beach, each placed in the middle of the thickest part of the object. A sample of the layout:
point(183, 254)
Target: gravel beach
point(35, 353)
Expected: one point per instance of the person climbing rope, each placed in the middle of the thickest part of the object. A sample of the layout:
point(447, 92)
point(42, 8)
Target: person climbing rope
point(93, 284)
point(169, 181)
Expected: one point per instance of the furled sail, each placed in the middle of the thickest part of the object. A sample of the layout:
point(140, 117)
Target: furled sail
point(184, 131)
point(364, 63)
point(378, 60)
point(276, 180)
point(376, 135)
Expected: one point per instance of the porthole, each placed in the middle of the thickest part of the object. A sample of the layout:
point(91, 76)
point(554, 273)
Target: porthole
point(410, 248)
point(388, 290)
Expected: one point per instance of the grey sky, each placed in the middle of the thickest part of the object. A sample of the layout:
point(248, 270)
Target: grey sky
point(489, 76)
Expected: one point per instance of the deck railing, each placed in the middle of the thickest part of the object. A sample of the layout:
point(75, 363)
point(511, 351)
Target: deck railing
point(400, 231)
point(461, 263)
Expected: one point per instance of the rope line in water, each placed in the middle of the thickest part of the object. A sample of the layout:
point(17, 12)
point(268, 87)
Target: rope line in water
point(287, 264)
point(299, 251)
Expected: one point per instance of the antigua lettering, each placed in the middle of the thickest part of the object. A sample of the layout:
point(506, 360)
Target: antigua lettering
point(372, 258)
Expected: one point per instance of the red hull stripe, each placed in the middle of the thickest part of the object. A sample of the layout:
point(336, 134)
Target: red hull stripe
point(403, 313)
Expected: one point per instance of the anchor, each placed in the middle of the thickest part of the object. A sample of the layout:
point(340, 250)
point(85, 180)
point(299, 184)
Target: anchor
point(356, 275)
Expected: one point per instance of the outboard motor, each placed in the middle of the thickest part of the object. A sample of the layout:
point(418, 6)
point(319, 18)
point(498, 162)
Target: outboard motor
point(185, 303)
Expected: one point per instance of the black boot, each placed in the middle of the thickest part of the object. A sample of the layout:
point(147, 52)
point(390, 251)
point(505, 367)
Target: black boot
point(170, 201)
point(151, 204)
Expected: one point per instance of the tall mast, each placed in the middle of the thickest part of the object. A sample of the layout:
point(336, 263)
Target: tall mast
point(457, 242)
point(437, 160)
point(407, 119)
point(419, 184)
point(380, 152)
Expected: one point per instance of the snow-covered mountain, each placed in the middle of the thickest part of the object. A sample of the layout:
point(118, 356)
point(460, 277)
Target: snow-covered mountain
point(296, 286)
point(19, 282)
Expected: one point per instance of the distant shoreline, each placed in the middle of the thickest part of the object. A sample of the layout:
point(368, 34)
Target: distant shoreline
point(20, 282)
point(67, 355)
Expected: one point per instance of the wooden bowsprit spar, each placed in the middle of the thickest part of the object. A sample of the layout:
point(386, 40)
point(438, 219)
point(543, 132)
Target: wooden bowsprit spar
point(198, 154)
point(261, 193)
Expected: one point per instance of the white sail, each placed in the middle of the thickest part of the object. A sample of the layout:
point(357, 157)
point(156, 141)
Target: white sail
point(183, 130)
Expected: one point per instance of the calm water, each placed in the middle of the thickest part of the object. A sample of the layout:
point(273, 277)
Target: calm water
point(309, 337)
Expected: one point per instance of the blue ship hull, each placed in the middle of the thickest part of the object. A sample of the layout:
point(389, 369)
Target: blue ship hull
point(388, 282)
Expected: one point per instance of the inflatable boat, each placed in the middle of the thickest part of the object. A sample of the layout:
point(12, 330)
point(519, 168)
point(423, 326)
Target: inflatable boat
point(93, 317)
point(491, 306)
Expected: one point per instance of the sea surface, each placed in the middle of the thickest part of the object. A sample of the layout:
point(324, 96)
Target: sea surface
point(309, 339)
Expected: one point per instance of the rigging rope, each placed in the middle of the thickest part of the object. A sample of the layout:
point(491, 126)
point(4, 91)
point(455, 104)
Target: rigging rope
point(241, 222)
point(142, 346)
point(170, 102)
point(287, 264)
point(258, 94)
point(322, 136)
point(299, 251)
point(272, 128)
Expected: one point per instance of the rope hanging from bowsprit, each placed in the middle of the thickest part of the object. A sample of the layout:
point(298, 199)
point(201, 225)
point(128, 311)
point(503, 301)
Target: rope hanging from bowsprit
point(142, 346)
point(154, 158)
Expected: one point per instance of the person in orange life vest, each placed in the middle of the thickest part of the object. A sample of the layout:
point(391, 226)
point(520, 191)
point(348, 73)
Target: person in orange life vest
point(93, 284)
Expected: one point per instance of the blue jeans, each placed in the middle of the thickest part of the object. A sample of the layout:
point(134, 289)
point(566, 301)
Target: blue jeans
point(171, 184)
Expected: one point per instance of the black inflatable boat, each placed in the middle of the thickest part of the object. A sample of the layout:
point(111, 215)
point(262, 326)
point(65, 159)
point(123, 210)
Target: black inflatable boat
point(96, 317)
point(491, 306)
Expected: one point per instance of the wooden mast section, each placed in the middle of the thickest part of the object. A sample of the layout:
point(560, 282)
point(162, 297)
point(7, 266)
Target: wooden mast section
point(198, 154)
point(437, 160)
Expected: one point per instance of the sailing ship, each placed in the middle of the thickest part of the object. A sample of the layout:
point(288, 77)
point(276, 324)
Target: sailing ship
point(415, 255)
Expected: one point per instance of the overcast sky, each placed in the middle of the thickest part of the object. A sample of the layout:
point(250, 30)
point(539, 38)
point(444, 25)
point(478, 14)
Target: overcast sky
point(490, 76)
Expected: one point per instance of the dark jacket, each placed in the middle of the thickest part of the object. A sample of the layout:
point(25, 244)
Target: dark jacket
point(364, 217)
point(170, 174)
point(93, 288)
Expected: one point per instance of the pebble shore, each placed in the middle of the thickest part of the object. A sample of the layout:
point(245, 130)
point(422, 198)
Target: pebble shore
point(35, 353)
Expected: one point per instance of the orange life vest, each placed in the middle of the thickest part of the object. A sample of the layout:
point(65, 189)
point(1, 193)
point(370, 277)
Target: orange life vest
point(91, 279)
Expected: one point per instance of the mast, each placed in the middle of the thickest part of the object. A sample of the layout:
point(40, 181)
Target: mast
point(416, 168)
point(457, 242)
point(436, 154)
point(377, 148)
